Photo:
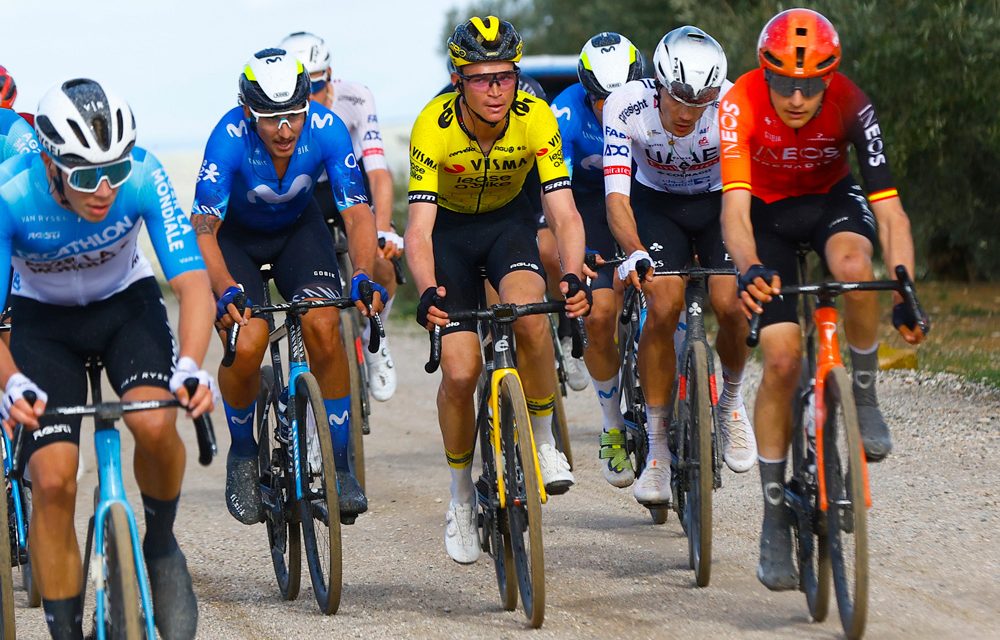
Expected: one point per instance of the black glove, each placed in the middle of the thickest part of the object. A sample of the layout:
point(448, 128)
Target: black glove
point(902, 315)
point(429, 298)
point(575, 284)
point(756, 271)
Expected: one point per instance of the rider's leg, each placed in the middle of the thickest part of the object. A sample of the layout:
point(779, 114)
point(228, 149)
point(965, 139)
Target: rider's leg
point(239, 384)
point(548, 250)
point(381, 367)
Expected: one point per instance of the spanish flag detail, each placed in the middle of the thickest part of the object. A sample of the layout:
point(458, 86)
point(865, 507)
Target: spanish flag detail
point(883, 195)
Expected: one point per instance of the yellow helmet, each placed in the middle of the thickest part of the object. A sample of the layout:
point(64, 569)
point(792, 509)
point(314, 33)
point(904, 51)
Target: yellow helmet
point(488, 39)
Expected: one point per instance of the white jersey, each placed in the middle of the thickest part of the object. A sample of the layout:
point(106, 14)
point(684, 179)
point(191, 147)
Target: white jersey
point(684, 165)
point(354, 104)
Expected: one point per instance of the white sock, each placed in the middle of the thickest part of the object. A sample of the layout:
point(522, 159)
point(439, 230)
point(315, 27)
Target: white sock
point(609, 396)
point(656, 431)
point(540, 411)
point(463, 491)
point(730, 398)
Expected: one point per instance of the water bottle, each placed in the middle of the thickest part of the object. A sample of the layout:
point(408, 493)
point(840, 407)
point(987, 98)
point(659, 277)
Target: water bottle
point(680, 333)
point(810, 426)
point(284, 427)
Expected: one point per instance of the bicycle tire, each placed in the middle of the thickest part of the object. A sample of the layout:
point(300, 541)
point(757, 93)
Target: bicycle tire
point(701, 480)
point(560, 426)
point(350, 336)
point(27, 577)
point(523, 503)
point(320, 504)
point(495, 531)
point(123, 609)
point(808, 522)
point(846, 513)
point(283, 535)
point(8, 626)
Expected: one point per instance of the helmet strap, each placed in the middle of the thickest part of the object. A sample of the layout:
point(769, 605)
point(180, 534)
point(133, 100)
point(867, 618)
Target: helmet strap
point(491, 125)
point(60, 188)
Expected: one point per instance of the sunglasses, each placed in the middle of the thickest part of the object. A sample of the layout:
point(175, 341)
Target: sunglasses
point(685, 94)
point(786, 86)
point(292, 118)
point(88, 179)
point(506, 80)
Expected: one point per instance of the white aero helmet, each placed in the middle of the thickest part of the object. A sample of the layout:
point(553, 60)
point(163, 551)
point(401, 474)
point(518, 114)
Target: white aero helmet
point(608, 61)
point(691, 65)
point(310, 49)
point(273, 81)
point(79, 123)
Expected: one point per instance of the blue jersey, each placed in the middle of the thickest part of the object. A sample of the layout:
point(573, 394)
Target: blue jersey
point(16, 135)
point(583, 139)
point(60, 258)
point(238, 179)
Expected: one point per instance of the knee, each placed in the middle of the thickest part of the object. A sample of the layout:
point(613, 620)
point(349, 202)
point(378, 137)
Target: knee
point(155, 432)
point(727, 307)
point(53, 485)
point(783, 368)
point(601, 322)
point(459, 379)
point(321, 333)
point(662, 311)
point(531, 331)
point(852, 266)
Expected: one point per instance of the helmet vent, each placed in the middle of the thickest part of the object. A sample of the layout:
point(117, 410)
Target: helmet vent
point(826, 63)
point(680, 71)
point(801, 31)
point(800, 57)
point(605, 39)
point(79, 132)
point(99, 126)
point(773, 59)
point(44, 125)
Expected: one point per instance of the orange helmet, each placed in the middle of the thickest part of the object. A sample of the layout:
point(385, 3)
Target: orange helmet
point(800, 43)
point(8, 90)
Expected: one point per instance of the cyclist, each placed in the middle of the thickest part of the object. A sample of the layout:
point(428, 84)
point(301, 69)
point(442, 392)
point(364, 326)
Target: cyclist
point(69, 221)
point(353, 103)
point(8, 94)
point(469, 154)
point(786, 128)
point(667, 211)
point(608, 61)
point(261, 164)
point(16, 135)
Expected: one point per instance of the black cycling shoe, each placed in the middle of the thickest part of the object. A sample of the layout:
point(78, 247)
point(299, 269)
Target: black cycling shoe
point(175, 608)
point(352, 499)
point(874, 433)
point(777, 570)
point(243, 489)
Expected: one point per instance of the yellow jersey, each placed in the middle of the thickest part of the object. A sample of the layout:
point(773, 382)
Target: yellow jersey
point(447, 166)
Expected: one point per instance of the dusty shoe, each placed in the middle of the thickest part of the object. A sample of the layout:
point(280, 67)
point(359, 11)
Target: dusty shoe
point(352, 499)
point(243, 489)
point(740, 452)
point(618, 469)
point(874, 433)
point(461, 535)
point(175, 608)
point(653, 486)
point(555, 470)
point(381, 372)
point(776, 569)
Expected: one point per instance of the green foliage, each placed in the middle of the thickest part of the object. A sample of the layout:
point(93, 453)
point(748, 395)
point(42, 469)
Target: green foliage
point(930, 66)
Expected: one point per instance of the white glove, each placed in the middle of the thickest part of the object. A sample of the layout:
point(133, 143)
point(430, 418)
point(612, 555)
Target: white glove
point(393, 237)
point(629, 265)
point(17, 384)
point(187, 368)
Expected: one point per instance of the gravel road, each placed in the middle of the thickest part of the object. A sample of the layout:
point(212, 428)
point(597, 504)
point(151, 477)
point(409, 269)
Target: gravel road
point(610, 572)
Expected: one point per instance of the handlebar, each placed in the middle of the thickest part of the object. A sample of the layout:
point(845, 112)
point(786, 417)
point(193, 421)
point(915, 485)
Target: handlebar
point(204, 430)
point(501, 313)
point(903, 284)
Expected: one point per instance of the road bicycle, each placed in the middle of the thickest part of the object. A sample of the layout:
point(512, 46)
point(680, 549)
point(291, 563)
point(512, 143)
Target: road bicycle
point(298, 481)
point(510, 490)
point(560, 424)
point(124, 607)
point(828, 492)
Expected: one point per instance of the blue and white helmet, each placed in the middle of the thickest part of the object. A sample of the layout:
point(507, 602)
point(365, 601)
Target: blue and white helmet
point(274, 81)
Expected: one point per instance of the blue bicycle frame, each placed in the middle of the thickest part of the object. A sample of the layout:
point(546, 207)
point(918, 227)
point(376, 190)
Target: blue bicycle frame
point(21, 529)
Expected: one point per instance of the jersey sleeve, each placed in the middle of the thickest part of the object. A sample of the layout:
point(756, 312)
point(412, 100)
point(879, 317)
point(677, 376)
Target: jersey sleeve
point(169, 227)
point(372, 149)
point(348, 186)
point(220, 164)
point(563, 112)
point(20, 138)
point(618, 108)
point(426, 146)
point(736, 122)
point(6, 250)
point(865, 134)
point(544, 139)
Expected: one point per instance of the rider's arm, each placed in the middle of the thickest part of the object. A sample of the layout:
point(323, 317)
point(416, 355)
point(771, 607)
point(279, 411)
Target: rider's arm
point(894, 236)
point(380, 181)
point(621, 220)
point(373, 157)
point(565, 221)
point(419, 246)
point(618, 114)
point(737, 231)
point(359, 222)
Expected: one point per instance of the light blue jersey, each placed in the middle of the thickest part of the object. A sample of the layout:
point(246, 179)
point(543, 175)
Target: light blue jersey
point(60, 258)
point(16, 135)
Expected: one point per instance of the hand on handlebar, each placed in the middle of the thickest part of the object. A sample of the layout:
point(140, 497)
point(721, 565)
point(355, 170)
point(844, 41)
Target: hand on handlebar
point(233, 307)
point(578, 295)
point(390, 244)
point(15, 407)
point(204, 398)
point(627, 270)
point(428, 313)
point(379, 295)
point(758, 285)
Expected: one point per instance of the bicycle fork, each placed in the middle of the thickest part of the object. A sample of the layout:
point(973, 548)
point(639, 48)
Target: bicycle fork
point(495, 380)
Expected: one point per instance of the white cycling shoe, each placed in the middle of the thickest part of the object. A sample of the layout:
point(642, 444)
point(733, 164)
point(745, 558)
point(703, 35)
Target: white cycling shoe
point(381, 372)
point(653, 486)
point(555, 470)
point(740, 450)
point(577, 376)
point(461, 533)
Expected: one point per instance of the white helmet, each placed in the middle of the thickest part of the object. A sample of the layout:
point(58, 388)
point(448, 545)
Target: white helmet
point(273, 81)
point(608, 61)
point(691, 65)
point(80, 123)
point(310, 49)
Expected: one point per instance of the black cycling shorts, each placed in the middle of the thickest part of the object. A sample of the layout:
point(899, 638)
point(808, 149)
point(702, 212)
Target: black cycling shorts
point(499, 242)
point(51, 343)
point(781, 227)
point(675, 227)
point(302, 258)
point(592, 209)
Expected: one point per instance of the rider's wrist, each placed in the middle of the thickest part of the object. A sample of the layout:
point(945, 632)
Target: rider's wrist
point(187, 364)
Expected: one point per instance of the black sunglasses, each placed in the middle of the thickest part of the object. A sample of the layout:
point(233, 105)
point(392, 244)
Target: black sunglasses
point(786, 86)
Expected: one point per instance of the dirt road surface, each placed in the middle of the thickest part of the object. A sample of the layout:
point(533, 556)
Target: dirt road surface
point(610, 573)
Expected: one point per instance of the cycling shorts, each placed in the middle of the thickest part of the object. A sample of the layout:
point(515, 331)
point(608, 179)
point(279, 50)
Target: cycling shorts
point(499, 242)
point(781, 227)
point(302, 258)
point(50, 343)
point(674, 228)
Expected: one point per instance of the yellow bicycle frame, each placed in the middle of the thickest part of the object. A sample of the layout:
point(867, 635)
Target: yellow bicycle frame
point(495, 380)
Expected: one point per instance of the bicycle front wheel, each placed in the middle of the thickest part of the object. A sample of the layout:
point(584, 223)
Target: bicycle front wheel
point(699, 464)
point(283, 537)
point(523, 503)
point(496, 533)
point(123, 614)
point(351, 337)
point(320, 504)
point(846, 514)
point(8, 627)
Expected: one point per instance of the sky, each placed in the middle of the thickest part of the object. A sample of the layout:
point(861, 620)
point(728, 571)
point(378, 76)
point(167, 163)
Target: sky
point(177, 62)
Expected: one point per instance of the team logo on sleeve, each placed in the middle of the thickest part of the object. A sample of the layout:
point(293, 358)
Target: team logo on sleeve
point(209, 172)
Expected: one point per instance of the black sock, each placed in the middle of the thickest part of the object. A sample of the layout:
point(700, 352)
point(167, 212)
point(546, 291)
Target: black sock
point(864, 371)
point(772, 482)
point(65, 618)
point(160, 515)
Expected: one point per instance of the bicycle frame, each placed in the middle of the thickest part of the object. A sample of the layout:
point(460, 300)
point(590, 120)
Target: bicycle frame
point(15, 489)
